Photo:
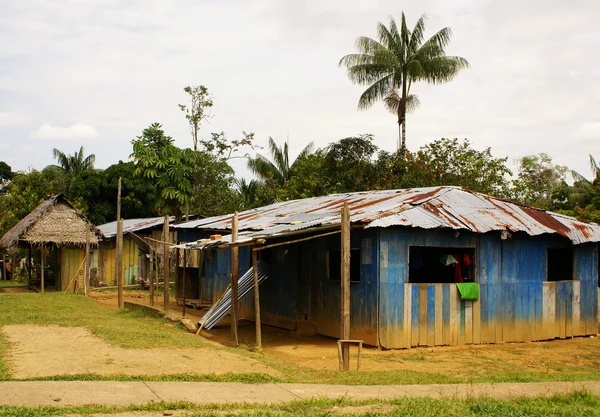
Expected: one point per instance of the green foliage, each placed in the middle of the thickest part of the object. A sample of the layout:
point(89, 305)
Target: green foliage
point(540, 183)
point(278, 169)
point(397, 59)
point(74, 164)
point(349, 163)
point(6, 173)
point(450, 162)
point(168, 167)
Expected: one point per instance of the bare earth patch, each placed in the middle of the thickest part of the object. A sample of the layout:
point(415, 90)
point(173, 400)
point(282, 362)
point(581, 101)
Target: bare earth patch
point(39, 351)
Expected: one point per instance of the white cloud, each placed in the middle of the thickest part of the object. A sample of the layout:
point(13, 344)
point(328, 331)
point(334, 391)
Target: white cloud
point(12, 119)
point(75, 132)
point(589, 130)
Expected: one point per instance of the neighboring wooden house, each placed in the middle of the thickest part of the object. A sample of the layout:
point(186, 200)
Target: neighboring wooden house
point(140, 237)
point(56, 225)
point(536, 272)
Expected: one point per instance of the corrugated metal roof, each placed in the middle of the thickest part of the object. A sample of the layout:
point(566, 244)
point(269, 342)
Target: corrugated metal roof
point(427, 208)
point(132, 225)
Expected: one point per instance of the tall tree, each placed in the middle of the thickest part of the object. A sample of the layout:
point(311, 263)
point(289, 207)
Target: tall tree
point(390, 65)
point(540, 183)
point(278, 169)
point(197, 110)
point(74, 164)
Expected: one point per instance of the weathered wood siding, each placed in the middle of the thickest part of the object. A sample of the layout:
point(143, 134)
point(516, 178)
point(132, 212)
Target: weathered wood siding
point(71, 268)
point(516, 302)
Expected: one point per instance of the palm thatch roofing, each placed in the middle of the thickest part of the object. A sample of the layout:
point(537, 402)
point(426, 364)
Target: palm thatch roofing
point(54, 222)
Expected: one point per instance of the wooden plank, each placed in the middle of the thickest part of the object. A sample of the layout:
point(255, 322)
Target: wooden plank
point(453, 307)
point(431, 315)
point(498, 309)
point(439, 308)
point(531, 312)
point(414, 312)
point(476, 322)
point(577, 309)
point(569, 309)
point(546, 311)
point(42, 253)
point(407, 316)
point(468, 322)
point(561, 310)
point(423, 315)
point(461, 322)
point(446, 333)
point(256, 302)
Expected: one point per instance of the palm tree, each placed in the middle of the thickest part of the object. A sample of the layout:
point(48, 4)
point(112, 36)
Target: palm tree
point(279, 169)
point(400, 57)
point(73, 164)
point(582, 190)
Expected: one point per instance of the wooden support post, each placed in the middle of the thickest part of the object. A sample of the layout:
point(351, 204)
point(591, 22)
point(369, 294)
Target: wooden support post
point(345, 284)
point(234, 281)
point(153, 277)
point(184, 279)
point(4, 277)
point(119, 249)
point(256, 301)
point(166, 265)
point(119, 263)
point(42, 253)
point(86, 268)
point(29, 265)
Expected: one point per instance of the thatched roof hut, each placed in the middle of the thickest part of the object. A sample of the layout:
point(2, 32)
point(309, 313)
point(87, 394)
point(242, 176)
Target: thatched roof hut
point(54, 222)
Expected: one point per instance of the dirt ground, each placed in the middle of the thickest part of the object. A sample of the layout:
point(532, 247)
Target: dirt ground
point(38, 351)
point(320, 352)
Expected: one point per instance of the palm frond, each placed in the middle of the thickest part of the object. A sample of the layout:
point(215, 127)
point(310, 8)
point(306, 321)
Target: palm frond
point(418, 33)
point(375, 92)
point(308, 149)
point(393, 102)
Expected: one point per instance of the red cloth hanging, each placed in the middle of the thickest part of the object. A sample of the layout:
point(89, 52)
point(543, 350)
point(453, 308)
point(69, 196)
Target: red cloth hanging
point(457, 269)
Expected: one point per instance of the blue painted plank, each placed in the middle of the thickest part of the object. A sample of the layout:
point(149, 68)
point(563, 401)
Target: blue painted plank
point(414, 319)
point(431, 314)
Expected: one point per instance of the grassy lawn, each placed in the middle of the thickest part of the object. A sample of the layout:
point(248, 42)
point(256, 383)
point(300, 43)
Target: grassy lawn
point(135, 330)
point(577, 404)
point(11, 284)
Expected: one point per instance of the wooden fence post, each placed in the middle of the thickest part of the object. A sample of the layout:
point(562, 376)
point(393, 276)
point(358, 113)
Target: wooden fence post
point(345, 284)
point(86, 269)
point(256, 300)
point(166, 278)
point(234, 281)
point(42, 250)
point(119, 263)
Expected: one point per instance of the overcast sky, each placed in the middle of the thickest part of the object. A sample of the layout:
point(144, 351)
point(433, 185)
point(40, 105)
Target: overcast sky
point(97, 72)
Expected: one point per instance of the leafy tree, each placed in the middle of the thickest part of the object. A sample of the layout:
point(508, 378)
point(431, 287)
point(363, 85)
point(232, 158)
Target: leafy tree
point(540, 183)
point(277, 170)
point(584, 190)
point(450, 162)
point(74, 164)
point(349, 164)
point(170, 168)
point(197, 111)
point(6, 175)
point(390, 65)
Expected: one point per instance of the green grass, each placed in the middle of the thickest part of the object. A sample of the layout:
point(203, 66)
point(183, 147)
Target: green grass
point(572, 405)
point(11, 284)
point(135, 329)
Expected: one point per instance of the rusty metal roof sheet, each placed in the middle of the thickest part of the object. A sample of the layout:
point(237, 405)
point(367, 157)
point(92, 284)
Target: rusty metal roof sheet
point(132, 225)
point(427, 208)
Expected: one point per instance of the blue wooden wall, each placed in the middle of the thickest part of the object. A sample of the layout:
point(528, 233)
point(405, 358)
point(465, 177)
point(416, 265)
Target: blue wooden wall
point(516, 302)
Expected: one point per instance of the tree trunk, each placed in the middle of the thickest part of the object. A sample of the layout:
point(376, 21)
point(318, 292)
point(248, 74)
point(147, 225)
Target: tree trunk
point(403, 116)
point(403, 146)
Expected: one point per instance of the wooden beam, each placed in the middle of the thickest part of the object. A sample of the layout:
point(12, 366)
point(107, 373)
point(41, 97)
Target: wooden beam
point(289, 242)
point(4, 277)
point(166, 264)
point(345, 284)
point(234, 281)
point(86, 268)
point(42, 253)
point(256, 301)
point(119, 263)
point(29, 265)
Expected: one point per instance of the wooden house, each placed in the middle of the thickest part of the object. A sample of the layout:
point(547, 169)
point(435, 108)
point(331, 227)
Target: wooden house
point(141, 237)
point(57, 228)
point(535, 272)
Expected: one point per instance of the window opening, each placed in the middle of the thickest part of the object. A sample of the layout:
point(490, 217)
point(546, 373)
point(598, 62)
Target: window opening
point(440, 265)
point(334, 265)
point(560, 264)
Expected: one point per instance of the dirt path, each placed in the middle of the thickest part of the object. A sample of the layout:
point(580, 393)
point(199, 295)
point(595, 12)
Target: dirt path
point(38, 351)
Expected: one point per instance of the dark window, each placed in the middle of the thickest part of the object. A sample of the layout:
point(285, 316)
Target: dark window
point(334, 265)
point(437, 265)
point(560, 264)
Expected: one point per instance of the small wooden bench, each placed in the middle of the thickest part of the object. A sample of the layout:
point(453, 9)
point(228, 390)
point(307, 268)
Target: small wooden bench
point(348, 342)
